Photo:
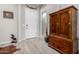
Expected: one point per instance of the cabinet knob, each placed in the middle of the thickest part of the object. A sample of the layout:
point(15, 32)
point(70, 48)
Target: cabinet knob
point(70, 12)
point(69, 23)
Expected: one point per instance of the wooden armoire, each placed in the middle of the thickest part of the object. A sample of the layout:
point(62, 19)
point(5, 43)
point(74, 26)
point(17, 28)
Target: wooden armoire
point(63, 28)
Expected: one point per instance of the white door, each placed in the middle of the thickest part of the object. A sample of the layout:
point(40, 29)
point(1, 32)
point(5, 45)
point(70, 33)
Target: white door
point(31, 23)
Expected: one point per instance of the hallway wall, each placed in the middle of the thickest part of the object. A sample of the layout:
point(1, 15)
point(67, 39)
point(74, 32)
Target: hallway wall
point(8, 26)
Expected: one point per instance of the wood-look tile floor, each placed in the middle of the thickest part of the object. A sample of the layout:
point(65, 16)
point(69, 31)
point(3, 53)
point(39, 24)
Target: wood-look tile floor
point(34, 46)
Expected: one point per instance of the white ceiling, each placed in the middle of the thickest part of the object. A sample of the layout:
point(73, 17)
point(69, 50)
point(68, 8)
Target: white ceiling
point(35, 6)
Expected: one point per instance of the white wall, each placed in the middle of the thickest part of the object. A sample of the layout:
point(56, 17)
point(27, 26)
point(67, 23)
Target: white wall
point(8, 26)
point(22, 21)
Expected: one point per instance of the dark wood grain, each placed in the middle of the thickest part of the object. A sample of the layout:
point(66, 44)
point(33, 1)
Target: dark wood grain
point(8, 49)
point(62, 35)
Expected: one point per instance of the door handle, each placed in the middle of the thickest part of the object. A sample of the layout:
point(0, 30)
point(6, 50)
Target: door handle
point(26, 26)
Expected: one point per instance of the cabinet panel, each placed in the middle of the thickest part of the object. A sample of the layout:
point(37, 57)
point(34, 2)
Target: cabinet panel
point(61, 44)
point(54, 24)
point(64, 19)
point(66, 23)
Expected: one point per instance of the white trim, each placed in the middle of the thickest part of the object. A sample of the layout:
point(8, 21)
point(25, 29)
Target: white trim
point(28, 38)
point(5, 42)
point(19, 21)
point(9, 42)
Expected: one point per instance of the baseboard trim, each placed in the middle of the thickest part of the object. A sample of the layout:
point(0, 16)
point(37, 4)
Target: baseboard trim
point(28, 38)
point(3, 44)
point(8, 42)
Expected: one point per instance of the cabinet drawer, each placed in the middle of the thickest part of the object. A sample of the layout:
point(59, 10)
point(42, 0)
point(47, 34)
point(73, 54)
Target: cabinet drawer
point(61, 44)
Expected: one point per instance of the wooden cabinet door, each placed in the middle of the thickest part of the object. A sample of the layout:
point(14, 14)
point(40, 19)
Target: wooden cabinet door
point(54, 24)
point(64, 22)
point(53, 19)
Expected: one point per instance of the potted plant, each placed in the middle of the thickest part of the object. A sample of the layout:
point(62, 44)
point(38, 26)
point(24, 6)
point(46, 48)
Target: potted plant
point(14, 41)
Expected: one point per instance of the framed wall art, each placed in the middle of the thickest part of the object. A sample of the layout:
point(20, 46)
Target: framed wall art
point(7, 14)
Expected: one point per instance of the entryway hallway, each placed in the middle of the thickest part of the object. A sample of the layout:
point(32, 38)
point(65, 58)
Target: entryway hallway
point(34, 46)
